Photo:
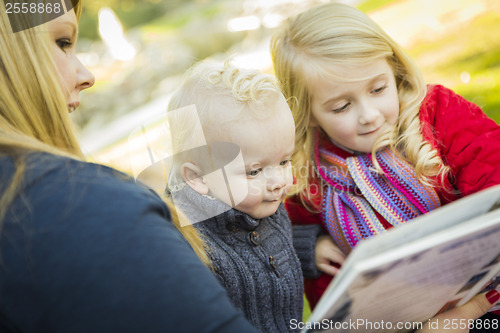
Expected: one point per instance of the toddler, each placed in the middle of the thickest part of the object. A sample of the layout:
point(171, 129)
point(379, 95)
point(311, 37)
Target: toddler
point(233, 186)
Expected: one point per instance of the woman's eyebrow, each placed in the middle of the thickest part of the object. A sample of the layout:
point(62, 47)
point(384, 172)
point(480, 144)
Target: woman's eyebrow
point(73, 28)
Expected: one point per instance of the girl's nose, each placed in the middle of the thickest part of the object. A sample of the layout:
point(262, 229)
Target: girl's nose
point(367, 113)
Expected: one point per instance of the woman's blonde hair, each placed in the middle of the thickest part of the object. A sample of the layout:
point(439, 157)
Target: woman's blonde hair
point(305, 47)
point(33, 110)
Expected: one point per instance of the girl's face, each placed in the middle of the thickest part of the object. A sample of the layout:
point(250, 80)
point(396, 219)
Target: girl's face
point(353, 112)
point(73, 76)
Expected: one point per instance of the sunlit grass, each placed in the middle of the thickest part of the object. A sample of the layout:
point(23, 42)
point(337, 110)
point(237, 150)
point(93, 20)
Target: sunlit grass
point(180, 18)
point(466, 59)
point(371, 5)
point(307, 310)
point(471, 51)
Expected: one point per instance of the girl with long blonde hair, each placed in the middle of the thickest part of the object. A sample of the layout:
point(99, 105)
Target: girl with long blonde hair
point(375, 146)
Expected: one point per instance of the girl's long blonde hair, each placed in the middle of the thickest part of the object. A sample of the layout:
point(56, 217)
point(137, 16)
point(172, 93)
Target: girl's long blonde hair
point(33, 110)
point(305, 47)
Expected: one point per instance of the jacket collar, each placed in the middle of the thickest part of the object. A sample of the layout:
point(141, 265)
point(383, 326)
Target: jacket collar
point(198, 208)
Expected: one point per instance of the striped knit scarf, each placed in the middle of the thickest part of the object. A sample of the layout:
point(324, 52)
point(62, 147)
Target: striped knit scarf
point(356, 190)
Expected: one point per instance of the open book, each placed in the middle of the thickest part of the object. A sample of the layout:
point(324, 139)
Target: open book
point(398, 280)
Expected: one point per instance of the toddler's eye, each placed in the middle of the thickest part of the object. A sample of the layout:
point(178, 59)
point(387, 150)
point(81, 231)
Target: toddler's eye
point(254, 173)
point(285, 162)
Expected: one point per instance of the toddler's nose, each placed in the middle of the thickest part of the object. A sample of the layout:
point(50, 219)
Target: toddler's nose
point(276, 180)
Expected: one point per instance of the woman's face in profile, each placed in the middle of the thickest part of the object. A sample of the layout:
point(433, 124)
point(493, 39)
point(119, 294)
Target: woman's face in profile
point(73, 76)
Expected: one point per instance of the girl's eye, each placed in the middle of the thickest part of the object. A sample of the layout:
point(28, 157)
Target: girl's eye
point(254, 173)
point(285, 162)
point(64, 43)
point(342, 108)
point(379, 90)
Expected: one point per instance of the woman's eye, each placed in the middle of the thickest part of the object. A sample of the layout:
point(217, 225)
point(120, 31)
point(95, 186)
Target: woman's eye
point(64, 43)
point(342, 108)
point(285, 162)
point(254, 173)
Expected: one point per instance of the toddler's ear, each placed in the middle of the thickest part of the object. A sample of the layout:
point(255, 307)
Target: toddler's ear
point(192, 176)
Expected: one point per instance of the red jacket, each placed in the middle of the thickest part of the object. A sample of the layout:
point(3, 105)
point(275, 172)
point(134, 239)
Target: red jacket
point(467, 141)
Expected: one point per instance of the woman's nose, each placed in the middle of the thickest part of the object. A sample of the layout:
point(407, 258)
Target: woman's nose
point(85, 78)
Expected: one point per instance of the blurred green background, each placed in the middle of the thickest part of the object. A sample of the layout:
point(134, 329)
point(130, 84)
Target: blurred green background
point(455, 43)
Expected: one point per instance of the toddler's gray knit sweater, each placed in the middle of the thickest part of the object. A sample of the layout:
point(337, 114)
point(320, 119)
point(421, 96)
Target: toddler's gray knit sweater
point(253, 259)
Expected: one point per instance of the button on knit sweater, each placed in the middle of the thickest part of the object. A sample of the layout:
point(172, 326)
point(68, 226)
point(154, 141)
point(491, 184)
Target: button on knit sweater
point(253, 259)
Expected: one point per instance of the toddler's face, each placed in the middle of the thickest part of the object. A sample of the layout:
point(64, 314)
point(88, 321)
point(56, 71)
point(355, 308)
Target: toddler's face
point(355, 111)
point(266, 146)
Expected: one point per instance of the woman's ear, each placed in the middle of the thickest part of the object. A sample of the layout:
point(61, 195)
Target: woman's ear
point(192, 176)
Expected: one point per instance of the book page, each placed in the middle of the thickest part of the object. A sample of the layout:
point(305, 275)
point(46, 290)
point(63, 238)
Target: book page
point(441, 219)
point(416, 287)
point(412, 272)
point(452, 214)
